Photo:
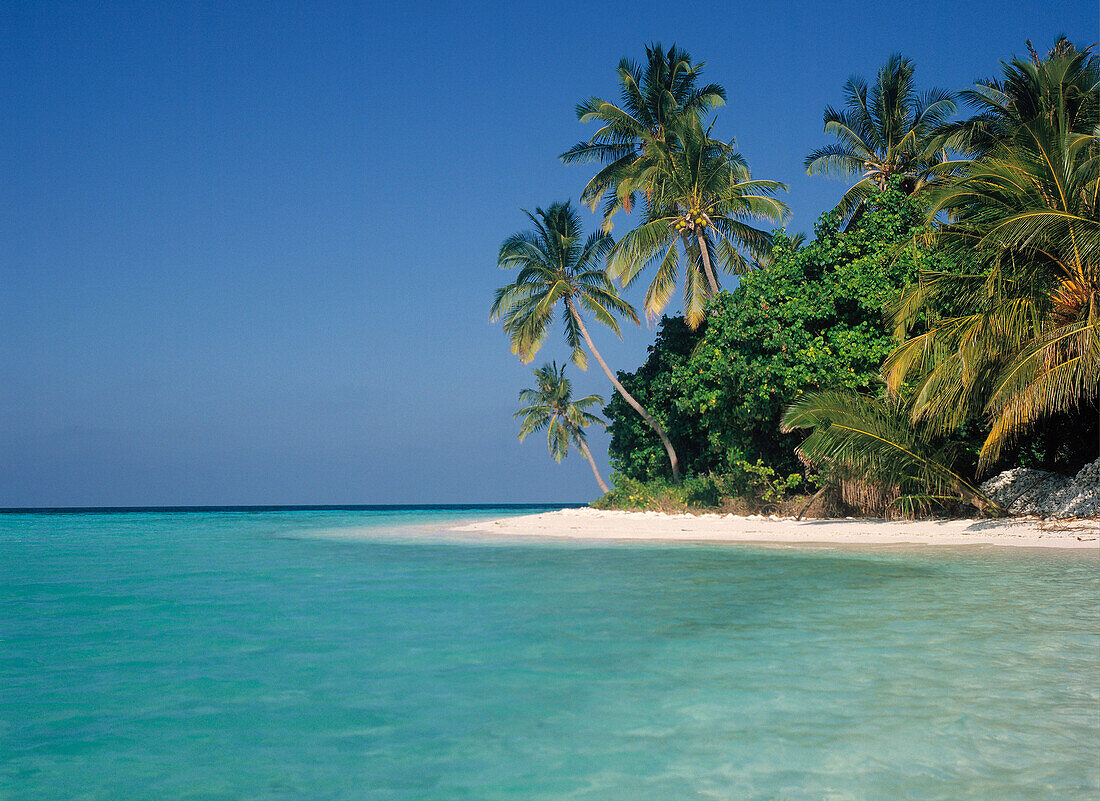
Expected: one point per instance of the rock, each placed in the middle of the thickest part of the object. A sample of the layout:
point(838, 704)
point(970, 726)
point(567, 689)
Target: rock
point(1024, 491)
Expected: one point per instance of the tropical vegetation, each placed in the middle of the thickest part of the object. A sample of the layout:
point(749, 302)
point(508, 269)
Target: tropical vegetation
point(653, 96)
point(885, 130)
point(942, 323)
point(699, 195)
point(1017, 332)
point(810, 320)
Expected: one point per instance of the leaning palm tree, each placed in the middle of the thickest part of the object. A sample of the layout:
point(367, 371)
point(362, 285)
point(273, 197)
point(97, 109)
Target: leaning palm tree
point(1018, 333)
point(557, 266)
point(652, 96)
point(700, 197)
point(550, 407)
point(884, 130)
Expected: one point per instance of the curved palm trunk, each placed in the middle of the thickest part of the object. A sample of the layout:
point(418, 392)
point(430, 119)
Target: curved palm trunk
point(588, 455)
point(672, 458)
point(705, 253)
point(979, 500)
point(809, 503)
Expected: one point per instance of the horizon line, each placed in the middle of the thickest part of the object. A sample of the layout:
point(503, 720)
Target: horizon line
point(362, 507)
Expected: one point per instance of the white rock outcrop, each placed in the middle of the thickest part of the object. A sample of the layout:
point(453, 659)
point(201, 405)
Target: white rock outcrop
point(1037, 493)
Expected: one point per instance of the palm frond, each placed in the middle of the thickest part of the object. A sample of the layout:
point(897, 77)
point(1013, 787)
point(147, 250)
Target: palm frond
point(885, 129)
point(865, 437)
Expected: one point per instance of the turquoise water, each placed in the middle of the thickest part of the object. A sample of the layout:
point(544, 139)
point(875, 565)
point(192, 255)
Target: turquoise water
point(367, 655)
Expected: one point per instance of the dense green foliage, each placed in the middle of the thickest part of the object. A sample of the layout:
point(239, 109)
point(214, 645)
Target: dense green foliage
point(1017, 334)
point(757, 488)
point(1006, 340)
point(813, 318)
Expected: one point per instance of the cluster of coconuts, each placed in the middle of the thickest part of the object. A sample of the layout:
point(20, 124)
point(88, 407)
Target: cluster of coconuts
point(692, 219)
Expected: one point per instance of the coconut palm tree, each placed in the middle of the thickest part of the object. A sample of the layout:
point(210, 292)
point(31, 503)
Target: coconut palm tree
point(550, 407)
point(699, 198)
point(884, 130)
point(1066, 83)
point(652, 96)
point(1017, 334)
point(559, 268)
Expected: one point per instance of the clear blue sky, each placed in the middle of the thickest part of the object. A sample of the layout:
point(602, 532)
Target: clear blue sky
point(247, 250)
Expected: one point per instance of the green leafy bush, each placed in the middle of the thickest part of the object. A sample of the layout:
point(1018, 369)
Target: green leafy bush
point(762, 482)
point(694, 492)
point(813, 318)
point(749, 487)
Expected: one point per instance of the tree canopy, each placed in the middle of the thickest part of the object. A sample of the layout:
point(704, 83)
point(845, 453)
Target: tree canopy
point(814, 318)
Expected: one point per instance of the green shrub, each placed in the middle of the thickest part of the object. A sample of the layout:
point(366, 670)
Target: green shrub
point(758, 481)
point(748, 487)
point(811, 319)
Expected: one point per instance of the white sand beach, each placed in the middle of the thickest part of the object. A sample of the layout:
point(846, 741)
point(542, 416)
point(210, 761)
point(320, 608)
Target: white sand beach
point(593, 524)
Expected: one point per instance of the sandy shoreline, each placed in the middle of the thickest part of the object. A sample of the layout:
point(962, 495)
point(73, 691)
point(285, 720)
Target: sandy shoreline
point(596, 525)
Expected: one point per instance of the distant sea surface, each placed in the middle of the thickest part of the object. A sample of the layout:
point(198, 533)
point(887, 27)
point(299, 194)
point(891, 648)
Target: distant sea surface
point(370, 654)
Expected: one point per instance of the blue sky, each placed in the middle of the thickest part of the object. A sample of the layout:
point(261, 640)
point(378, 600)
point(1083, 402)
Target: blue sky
point(248, 250)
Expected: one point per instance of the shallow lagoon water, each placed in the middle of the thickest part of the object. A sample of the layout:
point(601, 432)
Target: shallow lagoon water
point(370, 655)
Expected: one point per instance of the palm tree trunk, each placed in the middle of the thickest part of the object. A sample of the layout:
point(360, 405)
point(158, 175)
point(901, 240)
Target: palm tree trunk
point(705, 253)
point(672, 458)
point(588, 455)
point(809, 503)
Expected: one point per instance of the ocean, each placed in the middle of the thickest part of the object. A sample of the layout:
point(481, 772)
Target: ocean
point(371, 654)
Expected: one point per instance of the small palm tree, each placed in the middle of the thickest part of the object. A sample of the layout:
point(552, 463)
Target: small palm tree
point(550, 407)
point(871, 441)
point(700, 197)
point(557, 266)
point(652, 97)
point(884, 130)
